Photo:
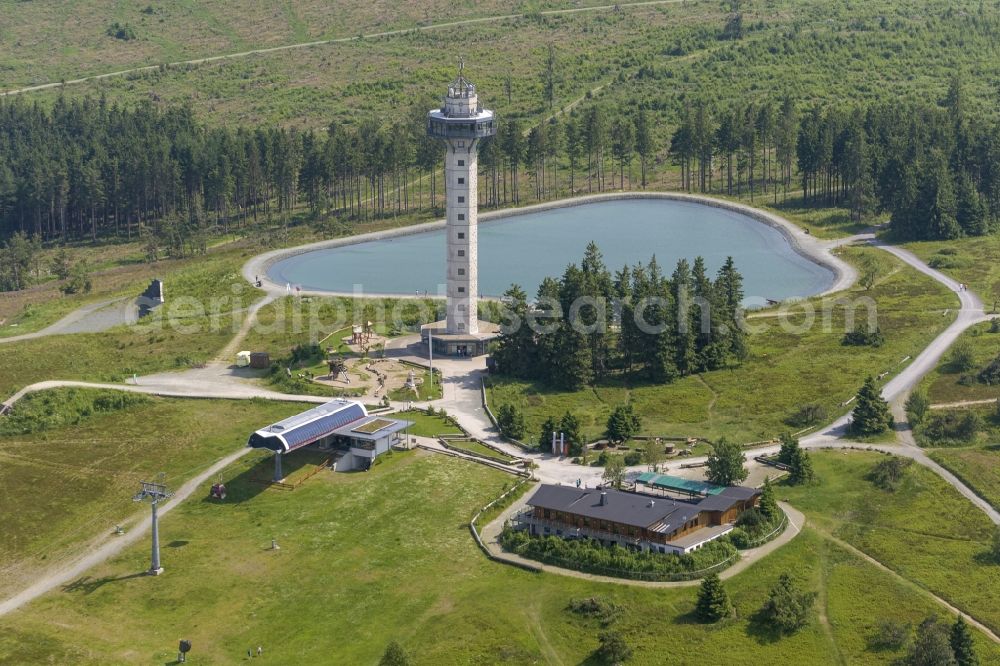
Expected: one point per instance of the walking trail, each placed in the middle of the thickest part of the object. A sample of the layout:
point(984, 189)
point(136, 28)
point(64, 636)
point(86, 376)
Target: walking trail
point(462, 388)
point(339, 40)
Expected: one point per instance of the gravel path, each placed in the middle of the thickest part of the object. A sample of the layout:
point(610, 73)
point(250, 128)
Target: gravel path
point(463, 400)
point(93, 318)
point(114, 545)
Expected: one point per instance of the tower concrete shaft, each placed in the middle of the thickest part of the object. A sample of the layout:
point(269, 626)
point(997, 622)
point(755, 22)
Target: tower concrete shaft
point(461, 169)
point(462, 123)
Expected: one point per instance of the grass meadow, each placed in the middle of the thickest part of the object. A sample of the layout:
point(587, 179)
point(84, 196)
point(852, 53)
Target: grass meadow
point(388, 553)
point(73, 477)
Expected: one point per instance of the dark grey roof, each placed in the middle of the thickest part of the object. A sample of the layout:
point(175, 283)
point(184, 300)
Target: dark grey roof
point(660, 514)
point(621, 507)
point(740, 492)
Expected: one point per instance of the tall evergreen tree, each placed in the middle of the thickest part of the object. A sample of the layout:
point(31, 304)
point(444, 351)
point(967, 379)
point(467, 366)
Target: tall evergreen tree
point(713, 602)
point(871, 414)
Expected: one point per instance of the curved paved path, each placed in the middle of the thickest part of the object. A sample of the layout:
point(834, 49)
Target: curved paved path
point(462, 398)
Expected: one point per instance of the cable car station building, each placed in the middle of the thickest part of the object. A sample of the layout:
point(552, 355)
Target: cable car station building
point(343, 425)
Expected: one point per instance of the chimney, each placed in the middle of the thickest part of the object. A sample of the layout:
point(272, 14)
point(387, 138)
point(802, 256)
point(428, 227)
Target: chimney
point(604, 498)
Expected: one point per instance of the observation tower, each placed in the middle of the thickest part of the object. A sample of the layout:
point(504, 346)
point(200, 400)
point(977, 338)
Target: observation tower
point(461, 123)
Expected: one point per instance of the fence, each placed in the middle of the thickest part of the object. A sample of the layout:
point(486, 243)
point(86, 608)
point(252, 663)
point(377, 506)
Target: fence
point(771, 535)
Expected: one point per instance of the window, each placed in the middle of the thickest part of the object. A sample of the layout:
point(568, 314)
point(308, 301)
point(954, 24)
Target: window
point(461, 290)
point(461, 163)
point(461, 271)
point(461, 200)
point(461, 181)
point(461, 216)
point(461, 253)
point(461, 235)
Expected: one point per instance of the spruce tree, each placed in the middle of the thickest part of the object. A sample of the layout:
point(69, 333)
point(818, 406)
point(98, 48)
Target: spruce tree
point(569, 426)
point(545, 436)
point(871, 415)
point(801, 467)
point(962, 645)
point(788, 447)
point(768, 503)
point(713, 601)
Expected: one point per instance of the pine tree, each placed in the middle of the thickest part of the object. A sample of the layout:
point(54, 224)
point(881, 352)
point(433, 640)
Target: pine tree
point(623, 424)
point(713, 602)
point(569, 425)
point(545, 436)
point(788, 447)
point(871, 415)
point(962, 645)
point(801, 467)
point(515, 348)
point(787, 607)
point(768, 503)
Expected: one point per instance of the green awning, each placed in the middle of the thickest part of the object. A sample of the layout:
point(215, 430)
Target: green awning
point(678, 484)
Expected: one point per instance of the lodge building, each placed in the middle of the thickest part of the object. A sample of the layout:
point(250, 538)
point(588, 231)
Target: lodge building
point(635, 520)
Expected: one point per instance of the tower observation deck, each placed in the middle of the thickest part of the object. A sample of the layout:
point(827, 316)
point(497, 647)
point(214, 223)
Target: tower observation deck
point(461, 122)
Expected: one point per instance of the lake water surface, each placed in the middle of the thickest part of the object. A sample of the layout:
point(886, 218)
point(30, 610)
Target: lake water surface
point(524, 249)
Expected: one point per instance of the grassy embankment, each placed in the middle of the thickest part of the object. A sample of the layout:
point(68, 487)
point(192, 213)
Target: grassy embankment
point(390, 549)
point(924, 530)
point(785, 370)
point(73, 458)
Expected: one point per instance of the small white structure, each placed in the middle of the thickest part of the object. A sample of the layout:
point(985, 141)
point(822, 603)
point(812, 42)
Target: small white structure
point(243, 359)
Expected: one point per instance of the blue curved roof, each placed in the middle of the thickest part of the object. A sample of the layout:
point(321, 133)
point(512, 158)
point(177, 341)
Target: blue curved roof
point(309, 426)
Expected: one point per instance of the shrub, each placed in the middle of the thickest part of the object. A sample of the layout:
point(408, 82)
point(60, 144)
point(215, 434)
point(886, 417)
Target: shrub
point(601, 609)
point(806, 416)
point(959, 427)
point(64, 407)
point(890, 635)
point(862, 337)
point(995, 325)
point(122, 31)
point(917, 406)
point(889, 472)
point(633, 458)
point(394, 655)
point(990, 375)
point(962, 358)
point(590, 556)
point(751, 518)
point(613, 649)
point(739, 538)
